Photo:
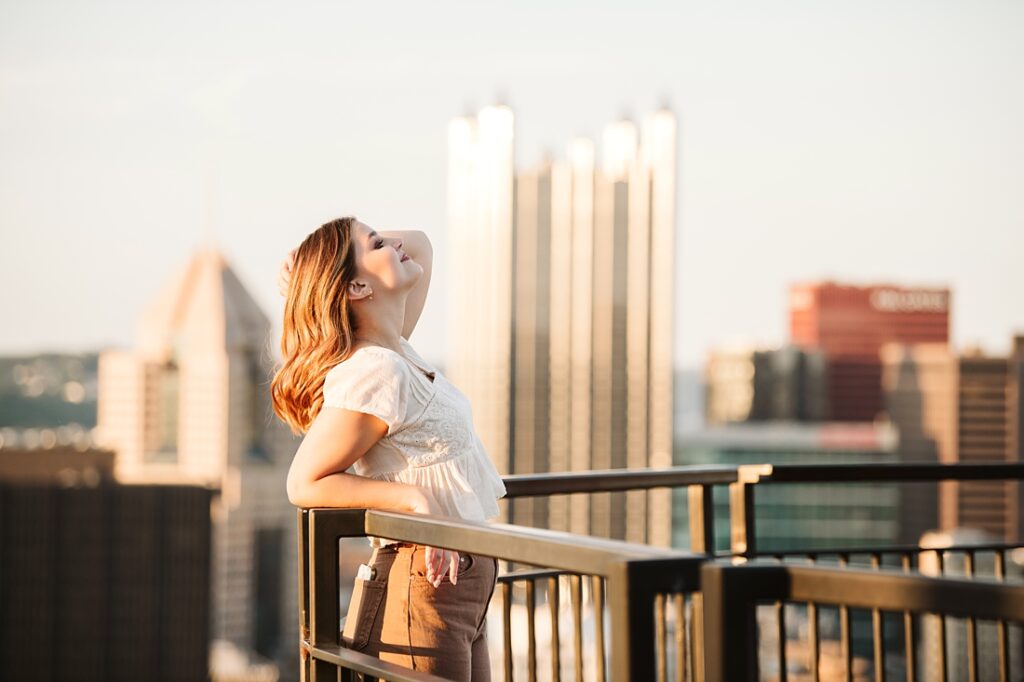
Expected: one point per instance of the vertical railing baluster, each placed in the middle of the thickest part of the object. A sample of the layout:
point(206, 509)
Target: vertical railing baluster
point(944, 675)
point(576, 595)
point(695, 640)
point(531, 631)
point(597, 590)
point(846, 651)
point(908, 630)
point(780, 624)
point(877, 629)
point(702, 540)
point(556, 653)
point(697, 636)
point(660, 638)
point(506, 617)
point(972, 635)
point(814, 646)
point(680, 635)
point(303, 580)
point(1003, 643)
point(780, 620)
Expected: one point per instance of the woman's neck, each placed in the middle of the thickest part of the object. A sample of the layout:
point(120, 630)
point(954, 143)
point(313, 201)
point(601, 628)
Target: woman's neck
point(377, 339)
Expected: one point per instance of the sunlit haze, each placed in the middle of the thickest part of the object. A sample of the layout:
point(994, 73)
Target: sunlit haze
point(858, 141)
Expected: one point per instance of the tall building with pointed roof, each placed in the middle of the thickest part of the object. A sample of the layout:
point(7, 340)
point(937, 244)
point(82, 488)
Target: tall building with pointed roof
point(191, 403)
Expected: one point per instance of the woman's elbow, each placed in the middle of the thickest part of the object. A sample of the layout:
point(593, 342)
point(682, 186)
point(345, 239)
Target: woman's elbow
point(298, 491)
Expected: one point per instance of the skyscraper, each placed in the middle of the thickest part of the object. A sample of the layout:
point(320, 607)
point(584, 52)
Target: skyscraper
point(919, 384)
point(850, 324)
point(764, 384)
point(988, 430)
point(190, 404)
point(562, 311)
point(959, 408)
point(480, 208)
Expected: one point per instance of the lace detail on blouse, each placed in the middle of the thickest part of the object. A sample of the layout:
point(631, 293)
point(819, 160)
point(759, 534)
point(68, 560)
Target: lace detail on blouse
point(430, 440)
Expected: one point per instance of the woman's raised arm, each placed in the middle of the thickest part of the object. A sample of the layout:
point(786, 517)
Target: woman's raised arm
point(417, 245)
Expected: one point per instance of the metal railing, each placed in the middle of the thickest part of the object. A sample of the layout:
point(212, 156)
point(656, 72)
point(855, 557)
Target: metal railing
point(699, 482)
point(750, 478)
point(733, 592)
point(645, 585)
point(634, 577)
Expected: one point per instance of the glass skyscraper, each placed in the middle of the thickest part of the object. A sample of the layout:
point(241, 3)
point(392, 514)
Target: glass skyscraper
point(561, 307)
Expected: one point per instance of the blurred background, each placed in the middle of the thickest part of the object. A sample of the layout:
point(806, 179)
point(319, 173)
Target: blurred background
point(663, 233)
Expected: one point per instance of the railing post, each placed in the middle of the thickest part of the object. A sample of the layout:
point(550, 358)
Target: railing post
point(743, 539)
point(303, 539)
point(702, 519)
point(729, 628)
point(632, 587)
point(730, 623)
point(326, 527)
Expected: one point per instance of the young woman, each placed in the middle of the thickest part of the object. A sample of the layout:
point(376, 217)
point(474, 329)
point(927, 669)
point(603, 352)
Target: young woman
point(385, 430)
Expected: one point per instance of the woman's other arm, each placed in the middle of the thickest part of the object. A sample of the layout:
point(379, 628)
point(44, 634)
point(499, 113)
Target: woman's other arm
point(417, 245)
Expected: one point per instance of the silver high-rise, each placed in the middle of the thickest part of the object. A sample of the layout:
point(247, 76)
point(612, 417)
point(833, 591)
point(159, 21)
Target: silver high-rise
point(561, 311)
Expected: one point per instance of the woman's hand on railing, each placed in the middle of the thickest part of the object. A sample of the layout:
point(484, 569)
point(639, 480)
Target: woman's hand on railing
point(438, 560)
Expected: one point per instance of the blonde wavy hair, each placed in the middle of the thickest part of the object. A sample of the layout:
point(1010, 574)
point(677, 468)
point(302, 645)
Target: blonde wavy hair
point(318, 322)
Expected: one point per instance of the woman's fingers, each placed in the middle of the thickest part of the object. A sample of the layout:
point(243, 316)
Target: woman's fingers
point(284, 273)
point(430, 560)
point(453, 568)
point(438, 561)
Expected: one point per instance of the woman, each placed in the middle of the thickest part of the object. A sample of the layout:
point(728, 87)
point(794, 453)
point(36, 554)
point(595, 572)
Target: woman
point(366, 401)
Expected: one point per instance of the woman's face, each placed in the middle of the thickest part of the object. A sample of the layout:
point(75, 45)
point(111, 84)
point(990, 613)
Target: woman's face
point(381, 262)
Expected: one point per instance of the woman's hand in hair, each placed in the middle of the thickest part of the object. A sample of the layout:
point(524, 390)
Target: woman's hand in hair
point(284, 274)
point(438, 560)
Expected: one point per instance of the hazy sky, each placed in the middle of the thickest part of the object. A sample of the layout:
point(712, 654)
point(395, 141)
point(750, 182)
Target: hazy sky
point(862, 141)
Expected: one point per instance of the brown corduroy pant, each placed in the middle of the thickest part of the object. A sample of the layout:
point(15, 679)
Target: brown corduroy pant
point(401, 618)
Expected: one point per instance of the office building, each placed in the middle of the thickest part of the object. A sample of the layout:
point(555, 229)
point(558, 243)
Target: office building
point(807, 516)
point(190, 404)
point(958, 408)
point(770, 384)
point(101, 581)
point(562, 316)
point(849, 324)
point(988, 420)
point(919, 385)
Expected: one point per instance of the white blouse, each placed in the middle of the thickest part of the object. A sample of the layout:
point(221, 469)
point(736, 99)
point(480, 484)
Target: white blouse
point(430, 441)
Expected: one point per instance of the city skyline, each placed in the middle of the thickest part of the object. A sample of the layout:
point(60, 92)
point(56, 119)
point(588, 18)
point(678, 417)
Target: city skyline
point(848, 143)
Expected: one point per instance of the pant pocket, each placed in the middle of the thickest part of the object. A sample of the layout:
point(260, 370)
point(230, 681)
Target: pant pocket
point(363, 608)
point(467, 563)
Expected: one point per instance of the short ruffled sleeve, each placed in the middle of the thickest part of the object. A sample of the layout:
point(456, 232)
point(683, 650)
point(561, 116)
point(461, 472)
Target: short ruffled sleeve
point(370, 382)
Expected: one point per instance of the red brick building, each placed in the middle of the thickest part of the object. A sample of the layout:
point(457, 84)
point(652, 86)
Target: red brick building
point(851, 323)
